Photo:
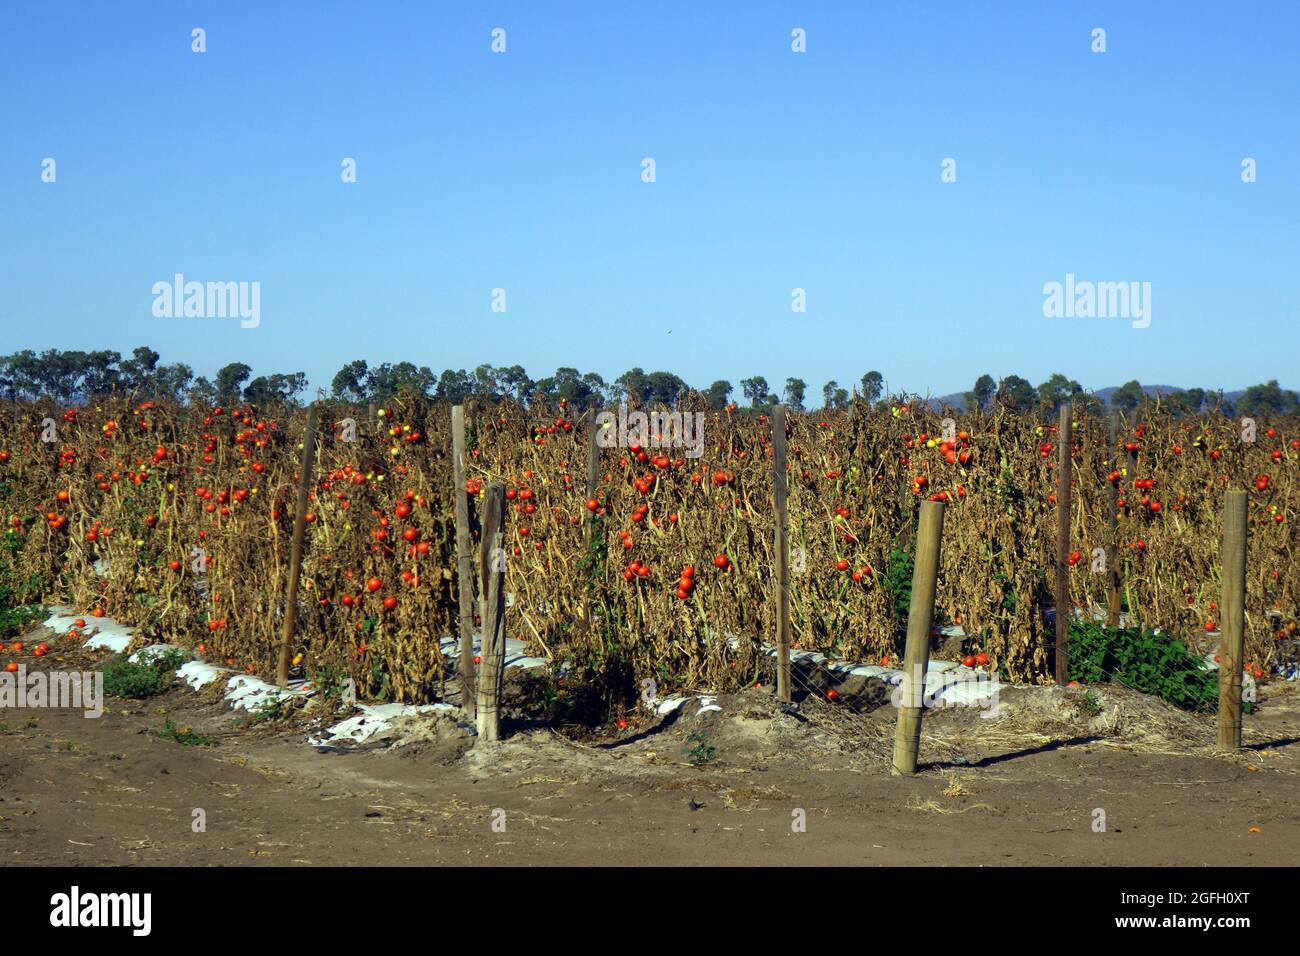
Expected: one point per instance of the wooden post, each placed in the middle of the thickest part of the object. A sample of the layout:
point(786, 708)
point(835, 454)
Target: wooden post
point(464, 562)
point(1132, 455)
point(295, 553)
point(1065, 444)
point(593, 470)
point(1112, 525)
point(492, 650)
point(1232, 611)
point(781, 548)
point(916, 656)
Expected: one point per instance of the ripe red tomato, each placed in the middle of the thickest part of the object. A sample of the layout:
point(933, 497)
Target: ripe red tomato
point(374, 584)
point(390, 602)
point(721, 561)
point(982, 659)
point(968, 660)
point(832, 695)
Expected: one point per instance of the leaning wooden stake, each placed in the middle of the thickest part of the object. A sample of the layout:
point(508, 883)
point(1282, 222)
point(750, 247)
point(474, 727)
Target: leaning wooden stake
point(1065, 441)
point(916, 656)
point(1112, 525)
point(464, 562)
point(593, 470)
point(492, 653)
point(295, 552)
point(1232, 611)
point(781, 547)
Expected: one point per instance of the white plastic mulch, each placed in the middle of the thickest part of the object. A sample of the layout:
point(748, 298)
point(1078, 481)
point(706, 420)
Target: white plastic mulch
point(516, 651)
point(99, 631)
point(946, 683)
point(247, 692)
point(372, 719)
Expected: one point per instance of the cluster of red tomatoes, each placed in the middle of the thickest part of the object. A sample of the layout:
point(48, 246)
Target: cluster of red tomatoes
point(957, 450)
point(17, 647)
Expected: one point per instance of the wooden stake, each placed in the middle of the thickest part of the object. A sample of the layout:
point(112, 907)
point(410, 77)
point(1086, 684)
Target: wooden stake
point(1232, 626)
point(781, 547)
point(593, 470)
point(916, 656)
point(1065, 444)
point(1112, 525)
point(492, 650)
point(295, 553)
point(464, 562)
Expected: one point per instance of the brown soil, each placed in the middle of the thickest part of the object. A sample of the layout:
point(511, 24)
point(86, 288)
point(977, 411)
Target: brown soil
point(1016, 790)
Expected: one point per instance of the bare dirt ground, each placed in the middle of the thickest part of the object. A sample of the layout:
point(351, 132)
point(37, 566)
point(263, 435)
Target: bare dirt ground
point(725, 788)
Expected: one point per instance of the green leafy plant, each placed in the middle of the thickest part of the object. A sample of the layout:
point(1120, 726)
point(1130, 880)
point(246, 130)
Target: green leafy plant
point(138, 680)
point(271, 708)
point(700, 750)
point(1087, 703)
point(123, 678)
point(171, 659)
point(185, 736)
point(1143, 660)
point(16, 620)
point(898, 581)
point(329, 682)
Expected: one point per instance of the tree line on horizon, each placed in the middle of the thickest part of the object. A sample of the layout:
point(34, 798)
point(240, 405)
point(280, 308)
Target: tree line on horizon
point(71, 376)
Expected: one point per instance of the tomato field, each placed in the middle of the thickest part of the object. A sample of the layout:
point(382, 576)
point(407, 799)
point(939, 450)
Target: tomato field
point(177, 520)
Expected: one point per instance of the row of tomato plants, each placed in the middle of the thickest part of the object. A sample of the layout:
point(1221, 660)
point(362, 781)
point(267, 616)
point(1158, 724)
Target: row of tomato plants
point(178, 520)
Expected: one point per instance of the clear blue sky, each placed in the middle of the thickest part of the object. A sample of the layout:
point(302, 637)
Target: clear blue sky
point(775, 170)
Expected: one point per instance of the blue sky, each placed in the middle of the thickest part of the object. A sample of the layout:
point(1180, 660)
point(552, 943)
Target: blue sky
point(775, 170)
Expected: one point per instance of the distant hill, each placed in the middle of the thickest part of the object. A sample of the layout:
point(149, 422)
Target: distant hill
point(958, 401)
